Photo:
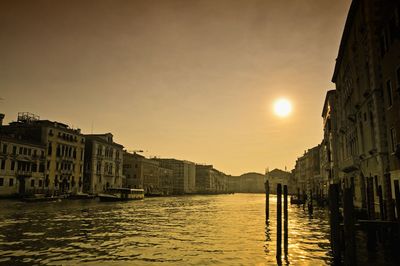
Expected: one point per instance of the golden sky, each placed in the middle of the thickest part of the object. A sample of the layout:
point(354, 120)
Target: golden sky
point(188, 79)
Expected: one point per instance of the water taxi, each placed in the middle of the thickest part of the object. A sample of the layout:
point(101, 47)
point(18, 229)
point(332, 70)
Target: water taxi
point(121, 194)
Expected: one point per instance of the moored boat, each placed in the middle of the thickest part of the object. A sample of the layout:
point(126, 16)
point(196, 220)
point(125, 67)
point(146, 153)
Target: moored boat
point(121, 194)
point(296, 200)
point(41, 198)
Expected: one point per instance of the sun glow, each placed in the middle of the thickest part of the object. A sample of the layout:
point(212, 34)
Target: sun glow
point(282, 107)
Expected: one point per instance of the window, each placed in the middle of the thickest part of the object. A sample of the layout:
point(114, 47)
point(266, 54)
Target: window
point(14, 150)
point(3, 164)
point(41, 167)
point(12, 165)
point(40, 183)
point(32, 182)
point(389, 93)
point(25, 151)
point(384, 44)
point(4, 148)
point(398, 79)
point(49, 149)
point(393, 139)
point(20, 150)
point(11, 182)
point(1, 181)
point(34, 167)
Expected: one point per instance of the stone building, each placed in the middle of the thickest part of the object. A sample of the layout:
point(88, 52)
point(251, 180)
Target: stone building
point(22, 167)
point(103, 163)
point(147, 174)
point(210, 180)
point(365, 76)
point(300, 174)
point(389, 30)
point(64, 150)
point(307, 173)
point(328, 153)
point(278, 176)
point(166, 180)
point(184, 174)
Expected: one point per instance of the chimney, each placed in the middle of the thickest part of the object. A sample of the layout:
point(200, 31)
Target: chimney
point(1, 119)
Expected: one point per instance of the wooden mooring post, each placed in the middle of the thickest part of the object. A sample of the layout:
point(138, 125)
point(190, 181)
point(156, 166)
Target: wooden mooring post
point(335, 222)
point(266, 200)
point(349, 228)
point(285, 220)
point(397, 196)
point(310, 204)
point(279, 223)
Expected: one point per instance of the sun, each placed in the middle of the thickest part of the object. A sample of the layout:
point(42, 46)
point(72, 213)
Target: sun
point(282, 107)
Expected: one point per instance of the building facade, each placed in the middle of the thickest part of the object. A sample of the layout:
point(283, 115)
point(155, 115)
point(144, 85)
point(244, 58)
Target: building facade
point(22, 167)
point(389, 29)
point(365, 76)
point(210, 180)
point(184, 174)
point(278, 176)
point(64, 150)
point(103, 163)
point(147, 174)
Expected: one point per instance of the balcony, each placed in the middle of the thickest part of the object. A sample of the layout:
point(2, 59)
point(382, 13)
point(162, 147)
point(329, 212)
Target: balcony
point(350, 164)
point(24, 173)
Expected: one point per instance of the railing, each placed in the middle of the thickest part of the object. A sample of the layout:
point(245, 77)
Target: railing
point(349, 164)
point(24, 172)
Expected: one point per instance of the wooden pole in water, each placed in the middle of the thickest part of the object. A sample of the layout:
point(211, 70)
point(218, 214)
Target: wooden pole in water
point(285, 220)
point(397, 196)
point(349, 228)
point(371, 231)
point(334, 222)
point(266, 200)
point(279, 223)
point(310, 204)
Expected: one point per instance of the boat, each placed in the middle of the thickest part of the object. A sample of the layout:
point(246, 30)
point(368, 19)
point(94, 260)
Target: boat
point(41, 198)
point(81, 195)
point(121, 194)
point(296, 200)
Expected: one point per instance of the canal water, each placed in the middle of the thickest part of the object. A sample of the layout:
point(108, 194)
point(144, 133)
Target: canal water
point(186, 230)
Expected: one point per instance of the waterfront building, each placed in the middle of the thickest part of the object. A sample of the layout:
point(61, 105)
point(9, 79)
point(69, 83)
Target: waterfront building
point(103, 163)
point(247, 183)
point(365, 75)
point(184, 174)
point(300, 175)
point(64, 150)
point(389, 29)
point(147, 174)
point(278, 176)
point(22, 167)
point(328, 155)
point(308, 174)
point(233, 183)
point(210, 180)
point(166, 180)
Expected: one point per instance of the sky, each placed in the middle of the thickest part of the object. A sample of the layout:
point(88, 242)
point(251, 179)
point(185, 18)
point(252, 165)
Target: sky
point(185, 79)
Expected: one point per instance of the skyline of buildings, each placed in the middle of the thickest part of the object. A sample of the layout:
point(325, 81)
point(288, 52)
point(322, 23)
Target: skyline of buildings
point(48, 157)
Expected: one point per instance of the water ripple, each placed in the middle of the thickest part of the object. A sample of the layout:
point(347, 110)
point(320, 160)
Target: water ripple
point(187, 230)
